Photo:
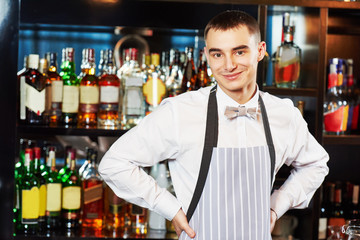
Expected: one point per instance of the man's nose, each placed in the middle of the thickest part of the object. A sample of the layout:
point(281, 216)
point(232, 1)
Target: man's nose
point(230, 63)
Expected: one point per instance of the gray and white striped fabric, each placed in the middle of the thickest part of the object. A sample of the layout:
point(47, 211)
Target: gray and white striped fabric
point(235, 202)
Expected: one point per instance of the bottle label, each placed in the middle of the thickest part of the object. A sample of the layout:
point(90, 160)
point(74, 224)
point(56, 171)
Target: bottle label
point(70, 99)
point(154, 91)
point(93, 193)
point(133, 82)
point(137, 210)
point(35, 100)
point(42, 207)
point(133, 102)
point(109, 94)
point(71, 198)
point(89, 94)
point(30, 206)
point(57, 91)
point(22, 98)
point(322, 228)
point(53, 203)
point(336, 121)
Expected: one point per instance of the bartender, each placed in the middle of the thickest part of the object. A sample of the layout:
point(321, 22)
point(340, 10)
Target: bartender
point(224, 146)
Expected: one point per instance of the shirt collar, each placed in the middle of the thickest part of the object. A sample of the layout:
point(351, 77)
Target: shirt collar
point(225, 100)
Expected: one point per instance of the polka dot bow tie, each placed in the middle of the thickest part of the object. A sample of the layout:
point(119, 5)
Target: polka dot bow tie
point(233, 112)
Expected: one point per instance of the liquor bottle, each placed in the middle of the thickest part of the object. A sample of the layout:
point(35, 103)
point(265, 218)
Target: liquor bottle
point(21, 97)
point(287, 60)
point(139, 221)
point(203, 79)
point(93, 201)
point(53, 184)
point(43, 69)
point(335, 107)
point(35, 92)
point(87, 162)
point(353, 210)
point(71, 195)
point(56, 89)
point(327, 193)
point(42, 189)
point(117, 220)
point(102, 61)
point(109, 83)
point(67, 158)
point(190, 76)
point(89, 91)
point(146, 67)
point(70, 101)
point(165, 65)
point(154, 89)
point(337, 216)
point(30, 198)
point(133, 107)
point(173, 82)
point(159, 173)
point(352, 98)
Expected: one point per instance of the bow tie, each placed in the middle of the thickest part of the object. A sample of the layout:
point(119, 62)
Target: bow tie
point(233, 112)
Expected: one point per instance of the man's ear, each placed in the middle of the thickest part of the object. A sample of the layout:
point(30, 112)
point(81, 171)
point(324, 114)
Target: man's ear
point(206, 54)
point(261, 50)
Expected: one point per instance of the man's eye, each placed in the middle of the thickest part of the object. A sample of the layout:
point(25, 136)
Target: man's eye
point(239, 53)
point(217, 55)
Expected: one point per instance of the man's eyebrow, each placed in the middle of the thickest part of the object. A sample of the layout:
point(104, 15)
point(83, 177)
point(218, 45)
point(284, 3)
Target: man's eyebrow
point(233, 49)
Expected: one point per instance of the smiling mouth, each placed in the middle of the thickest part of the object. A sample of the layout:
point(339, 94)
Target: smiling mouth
point(232, 76)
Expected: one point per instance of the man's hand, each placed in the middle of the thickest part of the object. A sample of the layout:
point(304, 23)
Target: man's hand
point(181, 224)
point(273, 218)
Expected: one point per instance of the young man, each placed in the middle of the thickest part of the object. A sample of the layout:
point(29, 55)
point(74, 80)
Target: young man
point(224, 145)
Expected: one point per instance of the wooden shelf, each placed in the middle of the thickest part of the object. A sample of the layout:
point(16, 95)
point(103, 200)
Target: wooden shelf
point(51, 131)
point(341, 139)
point(308, 92)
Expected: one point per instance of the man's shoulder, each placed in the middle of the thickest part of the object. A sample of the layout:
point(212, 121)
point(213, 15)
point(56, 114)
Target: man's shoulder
point(190, 98)
point(275, 101)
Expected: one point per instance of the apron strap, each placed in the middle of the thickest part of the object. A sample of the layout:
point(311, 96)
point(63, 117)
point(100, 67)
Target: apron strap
point(211, 137)
point(268, 137)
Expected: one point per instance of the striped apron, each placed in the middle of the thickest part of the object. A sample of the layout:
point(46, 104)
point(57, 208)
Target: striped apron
point(232, 195)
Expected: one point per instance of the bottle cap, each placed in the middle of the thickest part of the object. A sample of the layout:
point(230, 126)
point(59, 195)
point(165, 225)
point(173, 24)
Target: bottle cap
point(29, 151)
point(37, 152)
point(33, 61)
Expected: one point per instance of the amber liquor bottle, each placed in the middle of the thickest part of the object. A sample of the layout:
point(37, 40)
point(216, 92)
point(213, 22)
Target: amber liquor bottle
point(89, 91)
point(70, 101)
point(203, 78)
point(109, 84)
point(56, 89)
point(189, 77)
point(34, 92)
point(93, 201)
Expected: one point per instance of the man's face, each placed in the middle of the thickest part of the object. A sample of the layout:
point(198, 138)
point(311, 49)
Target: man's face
point(233, 56)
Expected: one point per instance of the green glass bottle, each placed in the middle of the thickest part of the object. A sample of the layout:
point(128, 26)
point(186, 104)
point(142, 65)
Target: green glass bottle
point(42, 188)
point(70, 101)
point(29, 198)
point(66, 168)
point(71, 195)
point(54, 186)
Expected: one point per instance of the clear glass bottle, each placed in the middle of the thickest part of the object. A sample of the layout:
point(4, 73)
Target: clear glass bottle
point(89, 91)
point(35, 84)
point(109, 84)
point(352, 229)
point(133, 107)
point(335, 107)
point(203, 79)
point(22, 92)
point(173, 82)
point(70, 101)
point(287, 60)
point(189, 78)
point(93, 201)
point(102, 62)
point(56, 89)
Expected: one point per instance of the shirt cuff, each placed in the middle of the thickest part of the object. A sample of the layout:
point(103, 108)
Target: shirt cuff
point(168, 206)
point(280, 203)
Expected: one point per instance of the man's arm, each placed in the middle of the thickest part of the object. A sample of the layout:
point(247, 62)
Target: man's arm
point(153, 140)
point(309, 160)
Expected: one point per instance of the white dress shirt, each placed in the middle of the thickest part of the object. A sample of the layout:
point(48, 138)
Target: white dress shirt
point(176, 131)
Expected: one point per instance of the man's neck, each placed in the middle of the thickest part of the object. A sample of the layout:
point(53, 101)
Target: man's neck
point(243, 95)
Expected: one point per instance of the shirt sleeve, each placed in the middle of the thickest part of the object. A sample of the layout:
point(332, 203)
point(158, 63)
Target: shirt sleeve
point(152, 140)
point(309, 161)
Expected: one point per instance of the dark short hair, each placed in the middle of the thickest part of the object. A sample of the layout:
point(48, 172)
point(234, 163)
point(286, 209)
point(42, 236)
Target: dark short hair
point(232, 19)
